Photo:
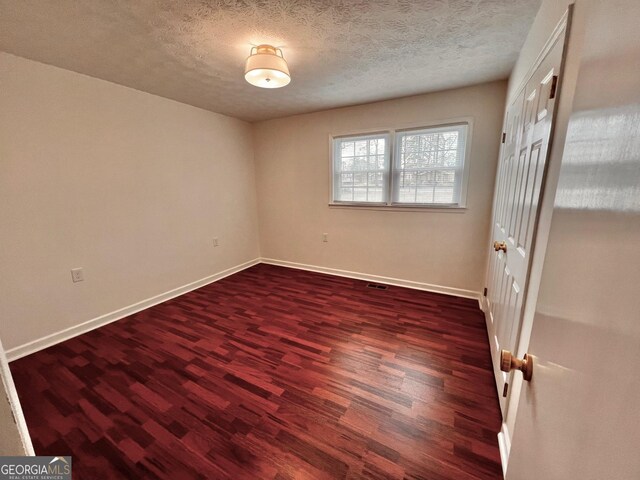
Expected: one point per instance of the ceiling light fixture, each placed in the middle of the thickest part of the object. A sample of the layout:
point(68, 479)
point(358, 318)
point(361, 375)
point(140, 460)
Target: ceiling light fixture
point(266, 67)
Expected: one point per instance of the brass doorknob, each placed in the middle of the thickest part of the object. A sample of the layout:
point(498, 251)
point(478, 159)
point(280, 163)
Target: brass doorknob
point(497, 246)
point(508, 362)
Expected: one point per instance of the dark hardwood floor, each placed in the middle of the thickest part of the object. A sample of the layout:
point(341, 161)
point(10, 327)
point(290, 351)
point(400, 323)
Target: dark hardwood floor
point(273, 373)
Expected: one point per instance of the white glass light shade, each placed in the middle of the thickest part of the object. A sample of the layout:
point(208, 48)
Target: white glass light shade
point(266, 68)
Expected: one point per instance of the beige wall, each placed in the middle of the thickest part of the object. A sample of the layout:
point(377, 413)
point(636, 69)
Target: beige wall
point(128, 185)
point(133, 188)
point(433, 247)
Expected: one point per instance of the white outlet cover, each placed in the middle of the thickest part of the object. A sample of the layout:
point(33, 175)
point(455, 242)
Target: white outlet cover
point(77, 275)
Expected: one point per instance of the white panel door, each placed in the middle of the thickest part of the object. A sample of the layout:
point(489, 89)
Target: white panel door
point(579, 417)
point(499, 272)
point(518, 189)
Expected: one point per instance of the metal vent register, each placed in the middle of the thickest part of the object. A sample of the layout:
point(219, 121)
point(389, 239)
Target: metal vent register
point(377, 286)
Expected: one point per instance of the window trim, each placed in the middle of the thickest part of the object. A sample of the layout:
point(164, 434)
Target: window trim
point(392, 147)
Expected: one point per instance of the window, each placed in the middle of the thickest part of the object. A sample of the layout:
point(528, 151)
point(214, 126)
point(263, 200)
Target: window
point(428, 166)
point(417, 167)
point(361, 169)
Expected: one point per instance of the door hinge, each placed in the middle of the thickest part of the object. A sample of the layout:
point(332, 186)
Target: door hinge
point(484, 293)
point(504, 137)
point(554, 86)
point(505, 389)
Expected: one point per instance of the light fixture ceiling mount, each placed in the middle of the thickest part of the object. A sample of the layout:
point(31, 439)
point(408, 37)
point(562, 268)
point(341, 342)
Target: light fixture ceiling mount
point(266, 67)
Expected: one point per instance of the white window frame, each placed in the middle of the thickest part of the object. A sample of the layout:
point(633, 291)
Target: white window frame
point(462, 174)
point(335, 157)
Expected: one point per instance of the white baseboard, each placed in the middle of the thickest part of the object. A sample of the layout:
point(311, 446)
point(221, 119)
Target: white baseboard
point(50, 340)
point(482, 301)
point(504, 444)
point(458, 292)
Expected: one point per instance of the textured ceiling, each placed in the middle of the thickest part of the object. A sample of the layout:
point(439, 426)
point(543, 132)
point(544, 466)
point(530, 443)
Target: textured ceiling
point(340, 52)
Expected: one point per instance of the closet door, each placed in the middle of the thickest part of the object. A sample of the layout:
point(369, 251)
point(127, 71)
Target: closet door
point(519, 184)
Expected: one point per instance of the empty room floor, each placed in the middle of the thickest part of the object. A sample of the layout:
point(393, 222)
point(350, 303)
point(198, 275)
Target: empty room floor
point(273, 373)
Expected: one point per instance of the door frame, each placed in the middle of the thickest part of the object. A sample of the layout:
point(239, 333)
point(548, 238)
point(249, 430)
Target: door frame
point(560, 120)
point(6, 383)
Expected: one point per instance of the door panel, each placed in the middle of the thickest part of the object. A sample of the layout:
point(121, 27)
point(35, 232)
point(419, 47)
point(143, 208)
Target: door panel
point(518, 186)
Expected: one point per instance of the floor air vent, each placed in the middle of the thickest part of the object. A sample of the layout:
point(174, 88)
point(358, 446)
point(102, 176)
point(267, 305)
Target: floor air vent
point(377, 286)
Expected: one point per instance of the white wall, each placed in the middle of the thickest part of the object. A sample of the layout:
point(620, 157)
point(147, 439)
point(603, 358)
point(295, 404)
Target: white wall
point(130, 186)
point(433, 247)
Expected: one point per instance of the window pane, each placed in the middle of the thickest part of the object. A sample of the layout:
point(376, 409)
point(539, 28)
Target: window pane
point(361, 147)
point(347, 149)
point(359, 194)
point(361, 169)
point(429, 165)
point(375, 195)
point(347, 163)
point(360, 179)
point(375, 179)
point(448, 158)
point(360, 163)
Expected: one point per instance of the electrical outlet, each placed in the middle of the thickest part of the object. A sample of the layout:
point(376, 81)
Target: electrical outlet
point(325, 237)
point(77, 275)
point(216, 242)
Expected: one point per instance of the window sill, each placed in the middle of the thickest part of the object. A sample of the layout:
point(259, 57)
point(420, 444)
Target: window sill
point(400, 208)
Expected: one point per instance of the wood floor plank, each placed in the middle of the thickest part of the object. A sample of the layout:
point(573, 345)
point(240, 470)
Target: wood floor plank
point(273, 373)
